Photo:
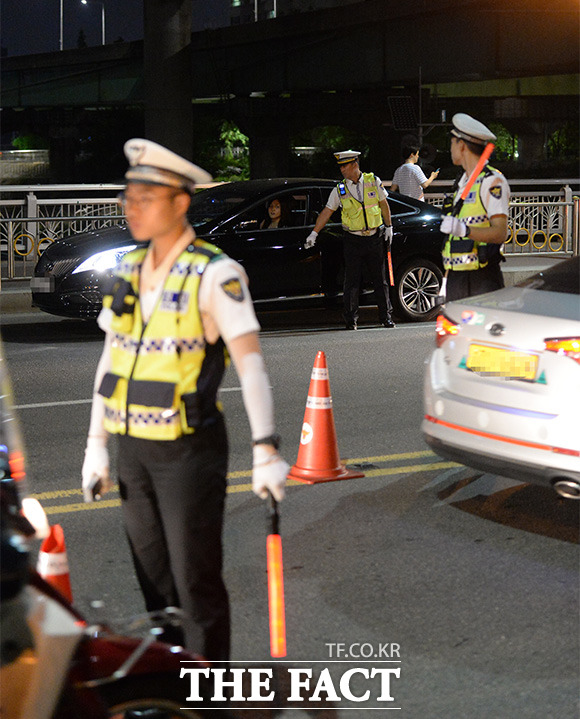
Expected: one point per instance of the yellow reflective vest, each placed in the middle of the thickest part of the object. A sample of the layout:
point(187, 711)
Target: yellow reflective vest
point(164, 379)
point(462, 253)
point(357, 215)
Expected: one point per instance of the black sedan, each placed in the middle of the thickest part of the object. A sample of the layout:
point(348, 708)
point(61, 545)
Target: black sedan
point(70, 273)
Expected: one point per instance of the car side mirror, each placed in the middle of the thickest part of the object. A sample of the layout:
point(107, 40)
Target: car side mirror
point(247, 225)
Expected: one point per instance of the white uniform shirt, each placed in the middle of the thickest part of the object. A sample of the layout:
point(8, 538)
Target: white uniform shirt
point(223, 313)
point(409, 178)
point(495, 193)
point(357, 191)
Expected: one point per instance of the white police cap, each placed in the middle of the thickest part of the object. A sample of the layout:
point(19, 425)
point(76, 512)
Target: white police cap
point(469, 129)
point(154, 164)
point(346, 156)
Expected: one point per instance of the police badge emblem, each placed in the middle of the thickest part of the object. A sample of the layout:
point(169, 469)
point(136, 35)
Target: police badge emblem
point(233, 288)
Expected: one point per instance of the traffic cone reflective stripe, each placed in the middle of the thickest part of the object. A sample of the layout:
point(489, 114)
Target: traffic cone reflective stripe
point(52, 562)
point(318, 457)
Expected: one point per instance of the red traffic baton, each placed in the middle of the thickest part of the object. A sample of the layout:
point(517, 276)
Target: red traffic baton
point(484, 157)
point(390, 265)
point(275, 582)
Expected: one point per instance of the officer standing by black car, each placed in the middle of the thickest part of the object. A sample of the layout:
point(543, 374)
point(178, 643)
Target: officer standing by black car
point(364, 205)
point(471, 252)
point(176, 305)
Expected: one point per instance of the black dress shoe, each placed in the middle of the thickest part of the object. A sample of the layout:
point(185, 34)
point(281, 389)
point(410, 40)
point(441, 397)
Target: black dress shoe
point(388, 323)
point(351, 326)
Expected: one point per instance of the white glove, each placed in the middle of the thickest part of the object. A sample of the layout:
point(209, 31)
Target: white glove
point(96, 468)
point(269, 474)
point(310, 240)
point(453, 226)
point(388, 234)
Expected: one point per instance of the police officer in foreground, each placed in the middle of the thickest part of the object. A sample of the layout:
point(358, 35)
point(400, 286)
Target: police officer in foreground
point(364, 205)
point(471, 253)
point(176, 304)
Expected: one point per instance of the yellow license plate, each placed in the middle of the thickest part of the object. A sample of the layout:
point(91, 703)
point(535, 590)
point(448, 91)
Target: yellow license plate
point(501, 362)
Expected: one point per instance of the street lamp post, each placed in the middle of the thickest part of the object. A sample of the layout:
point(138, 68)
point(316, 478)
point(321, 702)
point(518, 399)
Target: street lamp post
point(102, 4)
point(60, 38)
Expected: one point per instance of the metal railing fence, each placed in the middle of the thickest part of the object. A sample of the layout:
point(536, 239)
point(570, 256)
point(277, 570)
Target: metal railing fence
point(541, 222)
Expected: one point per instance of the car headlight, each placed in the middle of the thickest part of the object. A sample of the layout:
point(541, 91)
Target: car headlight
point(103, 261)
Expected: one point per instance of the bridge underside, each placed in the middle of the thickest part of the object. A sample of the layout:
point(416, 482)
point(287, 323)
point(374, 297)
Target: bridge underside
point(516, 65)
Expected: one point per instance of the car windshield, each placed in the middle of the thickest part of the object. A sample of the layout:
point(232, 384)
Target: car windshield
point(563, 277)
point(217, 203)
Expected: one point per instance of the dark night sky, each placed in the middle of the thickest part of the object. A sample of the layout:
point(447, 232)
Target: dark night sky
point(31, 26)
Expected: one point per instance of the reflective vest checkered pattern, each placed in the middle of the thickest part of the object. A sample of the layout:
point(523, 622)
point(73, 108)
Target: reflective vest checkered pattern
point(152, 389)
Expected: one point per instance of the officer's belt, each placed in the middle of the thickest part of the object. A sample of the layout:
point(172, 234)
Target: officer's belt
point(363, 233)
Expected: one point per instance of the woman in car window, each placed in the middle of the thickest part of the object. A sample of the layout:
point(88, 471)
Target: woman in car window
point(278, 215)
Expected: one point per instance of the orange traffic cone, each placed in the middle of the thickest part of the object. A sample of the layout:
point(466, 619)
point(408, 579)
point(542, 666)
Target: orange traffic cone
point(52, 562)
point(318, 458)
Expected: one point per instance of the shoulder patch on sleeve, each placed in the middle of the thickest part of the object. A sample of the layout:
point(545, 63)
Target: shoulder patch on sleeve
point(233, 288)
point(495, 192)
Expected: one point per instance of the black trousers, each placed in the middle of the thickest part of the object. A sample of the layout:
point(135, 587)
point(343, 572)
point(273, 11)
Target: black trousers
point(473, 282)
point(358, 252)
point(173, 497)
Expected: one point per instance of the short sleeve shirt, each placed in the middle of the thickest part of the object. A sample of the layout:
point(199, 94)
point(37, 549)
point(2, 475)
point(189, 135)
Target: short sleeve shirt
point(409, 178)
point(495, 193)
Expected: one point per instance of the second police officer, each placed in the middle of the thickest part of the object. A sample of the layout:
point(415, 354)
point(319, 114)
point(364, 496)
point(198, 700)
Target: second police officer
point(471, 252)
point(364, 209)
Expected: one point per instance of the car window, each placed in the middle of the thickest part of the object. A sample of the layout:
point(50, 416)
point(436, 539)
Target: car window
point(399, 208)
point(563, 277)
point(209, 206)
point(295, 212)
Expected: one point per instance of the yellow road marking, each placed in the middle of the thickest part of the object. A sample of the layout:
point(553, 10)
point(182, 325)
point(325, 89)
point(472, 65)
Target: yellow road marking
point(246, 487)
point(392, 457)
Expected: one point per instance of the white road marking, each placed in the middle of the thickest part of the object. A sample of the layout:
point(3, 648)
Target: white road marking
point(66, 403)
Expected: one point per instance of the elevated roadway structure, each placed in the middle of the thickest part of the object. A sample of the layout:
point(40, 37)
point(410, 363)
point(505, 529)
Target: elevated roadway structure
point(380, 69)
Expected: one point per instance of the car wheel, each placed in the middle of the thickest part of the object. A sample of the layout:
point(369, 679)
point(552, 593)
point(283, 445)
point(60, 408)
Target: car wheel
point(417, 287)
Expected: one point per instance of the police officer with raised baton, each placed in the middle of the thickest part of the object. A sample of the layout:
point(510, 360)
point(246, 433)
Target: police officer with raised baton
point(478, 225)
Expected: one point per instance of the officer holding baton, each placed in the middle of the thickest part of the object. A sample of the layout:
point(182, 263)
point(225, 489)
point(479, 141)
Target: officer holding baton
point(178, 307)
point(478, 225)
point(364, 208)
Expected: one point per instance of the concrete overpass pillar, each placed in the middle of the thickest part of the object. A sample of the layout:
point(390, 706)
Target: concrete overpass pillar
point(269, 154)
point(168, 73)
point(531, 145)
point(265, 122)
point(63, 145)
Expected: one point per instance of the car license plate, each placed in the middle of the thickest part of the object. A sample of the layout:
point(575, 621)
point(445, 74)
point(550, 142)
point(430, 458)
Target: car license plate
point(502, 362)
point(42, 284)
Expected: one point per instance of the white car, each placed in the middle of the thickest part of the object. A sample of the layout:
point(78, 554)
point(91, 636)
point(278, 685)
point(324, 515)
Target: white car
point(502, 387)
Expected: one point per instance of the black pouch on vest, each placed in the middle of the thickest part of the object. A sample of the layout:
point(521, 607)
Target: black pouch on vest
point(483, 254)
point(108, 384)
point(122, 289)
point(150, 393)
point(447, 205)
point(192, 407)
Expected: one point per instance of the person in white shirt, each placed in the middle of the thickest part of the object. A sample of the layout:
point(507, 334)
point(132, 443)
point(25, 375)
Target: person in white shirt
point(367, 228)
point(175, 306)
point(409, 179)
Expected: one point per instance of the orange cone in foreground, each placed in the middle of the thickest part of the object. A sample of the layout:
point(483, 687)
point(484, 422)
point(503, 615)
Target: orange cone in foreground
point(318, 458)
point(52, 562)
